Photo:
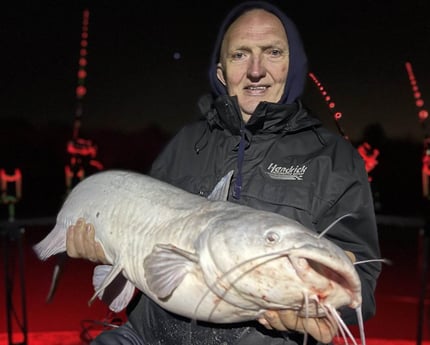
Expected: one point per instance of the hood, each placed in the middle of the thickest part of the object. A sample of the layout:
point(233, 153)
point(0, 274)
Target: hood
point(297, 70)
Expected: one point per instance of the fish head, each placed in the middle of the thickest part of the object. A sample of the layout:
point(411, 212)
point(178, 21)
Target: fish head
point(261, 260)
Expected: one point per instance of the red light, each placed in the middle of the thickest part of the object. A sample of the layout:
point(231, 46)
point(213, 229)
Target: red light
point(82, 74)
point(338, 115)
point(417, 94)
point(82, 61)
point(327, 98)
point(83, 52)
point(84, 35)
point(81, 91)
point(419, 103)
point(84, 43)
point(369, 156)
point(331, 105)
point(5, 179)
point(426, 165)
point(423, 115)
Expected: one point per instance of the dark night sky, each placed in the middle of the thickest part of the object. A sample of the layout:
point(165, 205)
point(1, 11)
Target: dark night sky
point(357, 49)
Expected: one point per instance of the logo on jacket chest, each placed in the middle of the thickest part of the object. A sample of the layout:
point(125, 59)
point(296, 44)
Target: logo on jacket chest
point(293, 172)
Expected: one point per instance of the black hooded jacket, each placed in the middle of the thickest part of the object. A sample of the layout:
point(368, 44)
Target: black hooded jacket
point(284, 161)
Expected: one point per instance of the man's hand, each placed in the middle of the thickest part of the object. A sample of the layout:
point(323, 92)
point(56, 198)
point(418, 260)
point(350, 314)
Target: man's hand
point(81, 243)
point(319, 328)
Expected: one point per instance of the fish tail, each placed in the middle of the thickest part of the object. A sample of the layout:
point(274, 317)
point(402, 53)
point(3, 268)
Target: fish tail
point(53, 243)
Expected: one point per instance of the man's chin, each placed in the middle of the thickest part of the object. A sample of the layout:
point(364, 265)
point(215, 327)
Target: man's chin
point(250, 106)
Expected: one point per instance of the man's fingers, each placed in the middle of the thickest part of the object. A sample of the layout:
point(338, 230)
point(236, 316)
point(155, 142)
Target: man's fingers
point(274, 320)
point(87, 236)
point(70, 242)
point(80, 241)
point(320, 329)
point(74, 240)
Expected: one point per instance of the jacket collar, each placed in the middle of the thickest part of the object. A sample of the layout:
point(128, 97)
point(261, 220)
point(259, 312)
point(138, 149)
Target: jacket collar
point(268, 118)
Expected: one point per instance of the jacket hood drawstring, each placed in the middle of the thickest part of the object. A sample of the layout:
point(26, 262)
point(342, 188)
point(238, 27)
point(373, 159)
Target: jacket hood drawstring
point(240, 157)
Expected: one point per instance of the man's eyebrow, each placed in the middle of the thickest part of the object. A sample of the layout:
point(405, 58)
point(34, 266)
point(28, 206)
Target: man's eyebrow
point(278, 45)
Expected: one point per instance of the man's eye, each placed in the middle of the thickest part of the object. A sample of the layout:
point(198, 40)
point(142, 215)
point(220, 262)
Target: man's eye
point(238, 56)
point(275, 52)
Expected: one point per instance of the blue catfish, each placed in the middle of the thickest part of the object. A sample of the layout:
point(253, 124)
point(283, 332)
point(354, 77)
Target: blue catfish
point(204, 258)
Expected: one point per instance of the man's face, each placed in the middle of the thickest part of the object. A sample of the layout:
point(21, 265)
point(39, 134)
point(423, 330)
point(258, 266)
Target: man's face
point(254, 60)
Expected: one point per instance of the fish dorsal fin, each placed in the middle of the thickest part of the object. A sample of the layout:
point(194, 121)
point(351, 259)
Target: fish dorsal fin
point(220, 192)
point(118, 293)
point(166, 267)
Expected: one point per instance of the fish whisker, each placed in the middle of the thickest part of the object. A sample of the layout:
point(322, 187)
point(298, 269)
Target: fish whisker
point(212, 287)
point(385, 261)
point(322, 233)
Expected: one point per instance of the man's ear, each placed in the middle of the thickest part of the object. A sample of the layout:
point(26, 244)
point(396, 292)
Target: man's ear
point(220, 73)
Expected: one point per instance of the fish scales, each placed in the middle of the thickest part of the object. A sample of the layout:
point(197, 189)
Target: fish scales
point(209, 260)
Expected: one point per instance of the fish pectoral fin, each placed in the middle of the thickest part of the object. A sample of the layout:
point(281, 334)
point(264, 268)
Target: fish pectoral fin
point(103, 277)
point(166, 267)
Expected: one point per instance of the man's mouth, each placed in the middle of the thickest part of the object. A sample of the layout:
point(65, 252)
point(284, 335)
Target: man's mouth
point(257, 90)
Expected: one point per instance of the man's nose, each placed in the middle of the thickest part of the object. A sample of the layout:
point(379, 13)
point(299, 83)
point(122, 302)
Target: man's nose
point(256, 68)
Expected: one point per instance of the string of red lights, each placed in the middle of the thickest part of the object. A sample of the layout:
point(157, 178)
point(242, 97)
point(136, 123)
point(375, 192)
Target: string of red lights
point(337, 115)
point(366, 151)
point(423, 119)
point(82, 152)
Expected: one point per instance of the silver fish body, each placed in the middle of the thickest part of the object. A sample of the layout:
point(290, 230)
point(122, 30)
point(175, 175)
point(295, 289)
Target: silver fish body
point(208, 260)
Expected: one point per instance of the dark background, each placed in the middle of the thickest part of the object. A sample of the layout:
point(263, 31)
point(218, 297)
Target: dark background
point(140, 92)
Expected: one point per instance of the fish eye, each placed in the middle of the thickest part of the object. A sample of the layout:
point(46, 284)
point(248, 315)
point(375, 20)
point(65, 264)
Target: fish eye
point(272, 237)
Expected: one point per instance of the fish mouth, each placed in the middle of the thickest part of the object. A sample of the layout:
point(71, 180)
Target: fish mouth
point(331, 279)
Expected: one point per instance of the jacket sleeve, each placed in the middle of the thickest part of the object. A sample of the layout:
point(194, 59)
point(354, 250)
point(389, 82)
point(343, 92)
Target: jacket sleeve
point(356, 233)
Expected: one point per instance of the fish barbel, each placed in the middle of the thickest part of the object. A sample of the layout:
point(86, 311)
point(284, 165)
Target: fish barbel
point(205, 259)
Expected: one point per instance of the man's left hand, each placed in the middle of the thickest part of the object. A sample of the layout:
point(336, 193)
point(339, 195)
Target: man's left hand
point(319, 328)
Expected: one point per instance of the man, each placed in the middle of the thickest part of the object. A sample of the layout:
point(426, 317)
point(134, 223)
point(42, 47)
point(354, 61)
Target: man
point(284, 162)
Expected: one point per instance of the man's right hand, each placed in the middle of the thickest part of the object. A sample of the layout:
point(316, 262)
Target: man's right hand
point(81, 243)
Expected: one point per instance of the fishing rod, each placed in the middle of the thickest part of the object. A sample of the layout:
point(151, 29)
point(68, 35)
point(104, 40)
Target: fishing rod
point(425, 176)
point(366, 151)
point(82, 152)
point(423, 119)
point(337, 115)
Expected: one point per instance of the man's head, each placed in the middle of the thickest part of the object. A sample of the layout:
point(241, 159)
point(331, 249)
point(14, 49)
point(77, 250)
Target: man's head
point(258, 57)
point(254, 60)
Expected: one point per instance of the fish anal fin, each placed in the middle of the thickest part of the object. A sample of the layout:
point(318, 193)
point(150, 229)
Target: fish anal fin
point(103, 276)
point(166, 267)
point(119, 300)
point(118, 293)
